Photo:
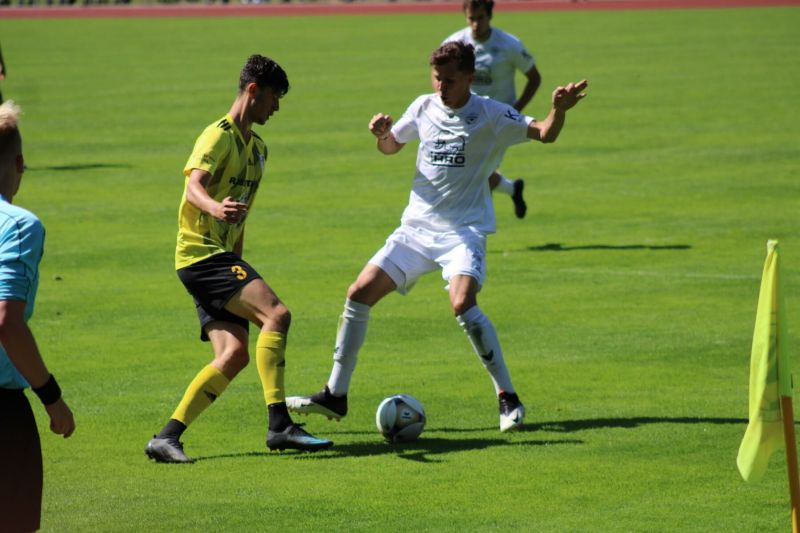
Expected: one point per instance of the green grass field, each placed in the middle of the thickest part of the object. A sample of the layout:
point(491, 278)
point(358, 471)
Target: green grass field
point(625, 301)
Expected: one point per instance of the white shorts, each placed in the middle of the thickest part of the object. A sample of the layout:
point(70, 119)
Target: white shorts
point(411, 252)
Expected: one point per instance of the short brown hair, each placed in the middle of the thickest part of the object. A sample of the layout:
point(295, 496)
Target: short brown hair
point(461, 53)
point(477, 4)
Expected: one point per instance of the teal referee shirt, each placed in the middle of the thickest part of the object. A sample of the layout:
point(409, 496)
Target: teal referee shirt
point(21, 248)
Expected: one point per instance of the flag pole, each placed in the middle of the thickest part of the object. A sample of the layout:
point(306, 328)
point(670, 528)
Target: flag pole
point(791, 459)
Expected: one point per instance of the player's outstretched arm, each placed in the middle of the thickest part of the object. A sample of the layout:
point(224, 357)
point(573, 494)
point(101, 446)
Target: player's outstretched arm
point(20, 345)
point(564, 99)
point(381, 127)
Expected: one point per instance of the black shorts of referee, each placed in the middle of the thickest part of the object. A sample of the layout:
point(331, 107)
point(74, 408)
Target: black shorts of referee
point(20, 464)
point(212, 282)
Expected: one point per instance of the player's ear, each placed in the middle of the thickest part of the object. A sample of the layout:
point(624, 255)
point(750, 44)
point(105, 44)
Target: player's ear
point(20, 163)
point(251, 89)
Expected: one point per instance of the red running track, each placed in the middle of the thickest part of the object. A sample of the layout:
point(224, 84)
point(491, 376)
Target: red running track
point(281, 9)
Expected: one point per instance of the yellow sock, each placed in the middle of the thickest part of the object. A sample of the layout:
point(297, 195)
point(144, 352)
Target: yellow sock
point(202, 391)
point(271, 364)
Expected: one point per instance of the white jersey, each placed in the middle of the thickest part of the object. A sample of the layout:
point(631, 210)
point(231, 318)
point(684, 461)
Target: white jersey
point(496, 61)
point(458, 150)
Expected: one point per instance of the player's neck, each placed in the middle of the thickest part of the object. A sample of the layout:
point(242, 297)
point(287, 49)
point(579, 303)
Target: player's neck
point(461, 103)
point(483, 38)
point(7, 188)
point(241, 118)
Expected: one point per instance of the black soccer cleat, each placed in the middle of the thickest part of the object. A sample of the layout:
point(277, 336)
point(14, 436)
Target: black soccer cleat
point(512, 412)
point(520, 207)
point(294, 437)
point(166, 451)
point(322, 403)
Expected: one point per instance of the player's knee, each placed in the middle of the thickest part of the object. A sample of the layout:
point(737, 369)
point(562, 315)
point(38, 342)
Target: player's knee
point(282, 317)
point(235, 358)
point(356, 292)
point(462, 303)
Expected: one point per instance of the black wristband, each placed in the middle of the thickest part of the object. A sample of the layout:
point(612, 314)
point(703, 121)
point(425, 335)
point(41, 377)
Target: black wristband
point(50, 392)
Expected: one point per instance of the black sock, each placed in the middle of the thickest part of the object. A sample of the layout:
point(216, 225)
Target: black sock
point(173, 430)
point(279, 418)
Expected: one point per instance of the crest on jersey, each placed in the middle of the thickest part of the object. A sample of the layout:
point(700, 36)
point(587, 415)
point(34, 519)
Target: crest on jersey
point(448, 151)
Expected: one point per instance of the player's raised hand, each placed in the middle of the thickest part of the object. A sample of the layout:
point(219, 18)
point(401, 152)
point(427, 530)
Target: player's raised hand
point(565, 98)
point(380, 125)
point(231, 211)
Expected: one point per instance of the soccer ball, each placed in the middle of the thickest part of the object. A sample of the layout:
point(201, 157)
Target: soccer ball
point(400, 418)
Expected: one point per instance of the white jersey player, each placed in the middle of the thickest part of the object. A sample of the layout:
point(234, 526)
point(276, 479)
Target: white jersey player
point(458, 149)
point(498, 57)
point(461, 138)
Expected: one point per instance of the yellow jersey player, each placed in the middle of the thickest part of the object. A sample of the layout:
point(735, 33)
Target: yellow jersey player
point(222, 177)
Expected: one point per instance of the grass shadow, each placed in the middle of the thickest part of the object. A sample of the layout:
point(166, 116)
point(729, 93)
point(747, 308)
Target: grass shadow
point(570, 426)
point(558, 247)
point(425, 450)
point(232, 456)
point(85, 166)
point(428, 430)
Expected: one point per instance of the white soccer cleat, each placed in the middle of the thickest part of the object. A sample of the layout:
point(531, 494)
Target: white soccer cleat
point(322, 403)
point(512, 412)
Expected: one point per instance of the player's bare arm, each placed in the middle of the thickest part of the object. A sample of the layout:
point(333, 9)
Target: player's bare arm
point(381, 127)
point(564, 99)
point(532, 85)
point(20, 345)
point(229, 210)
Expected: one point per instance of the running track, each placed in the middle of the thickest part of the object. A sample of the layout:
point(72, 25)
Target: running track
point(305, 9)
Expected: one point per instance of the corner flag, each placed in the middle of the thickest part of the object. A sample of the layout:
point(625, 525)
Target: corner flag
point(770, 378)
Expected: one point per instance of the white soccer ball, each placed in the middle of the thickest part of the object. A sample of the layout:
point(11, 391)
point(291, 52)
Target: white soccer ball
point(400, 418)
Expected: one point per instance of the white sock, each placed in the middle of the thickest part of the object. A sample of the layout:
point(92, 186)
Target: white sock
point(483, 337)
point(349, 338)
point(506, 186)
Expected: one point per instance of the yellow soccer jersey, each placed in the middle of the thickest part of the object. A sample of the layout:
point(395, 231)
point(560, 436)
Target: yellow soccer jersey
point(236, 168)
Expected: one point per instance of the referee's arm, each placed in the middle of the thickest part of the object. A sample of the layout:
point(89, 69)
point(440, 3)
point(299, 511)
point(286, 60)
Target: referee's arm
point(20, 345)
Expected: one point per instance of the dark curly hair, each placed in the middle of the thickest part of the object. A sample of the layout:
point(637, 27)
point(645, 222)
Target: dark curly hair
point(463, 54)
point(488, 5)
point(264, 72)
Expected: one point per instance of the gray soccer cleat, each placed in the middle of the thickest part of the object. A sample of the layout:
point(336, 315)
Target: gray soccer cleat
point(166, 451)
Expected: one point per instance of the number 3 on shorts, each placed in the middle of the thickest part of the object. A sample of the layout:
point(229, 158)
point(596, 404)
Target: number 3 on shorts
point(239, 271)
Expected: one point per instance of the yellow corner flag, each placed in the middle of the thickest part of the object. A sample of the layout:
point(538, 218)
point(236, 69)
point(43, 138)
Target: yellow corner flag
point(770, 378)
